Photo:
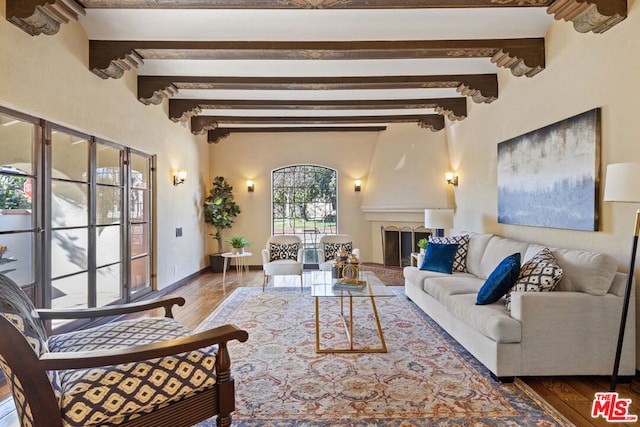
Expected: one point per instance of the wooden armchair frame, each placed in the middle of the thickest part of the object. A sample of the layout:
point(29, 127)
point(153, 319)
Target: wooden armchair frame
point(30, 369)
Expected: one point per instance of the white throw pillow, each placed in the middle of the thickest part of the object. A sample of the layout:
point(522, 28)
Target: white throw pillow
point(540, 274)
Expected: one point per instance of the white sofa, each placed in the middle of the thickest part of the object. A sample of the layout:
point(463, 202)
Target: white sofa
point(572, 330)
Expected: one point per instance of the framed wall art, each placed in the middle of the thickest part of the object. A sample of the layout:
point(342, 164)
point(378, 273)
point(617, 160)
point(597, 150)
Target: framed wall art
point(550, 177)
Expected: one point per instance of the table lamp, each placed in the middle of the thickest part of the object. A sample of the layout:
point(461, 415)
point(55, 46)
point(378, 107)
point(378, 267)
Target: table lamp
point(438, 220)
point(622, 184)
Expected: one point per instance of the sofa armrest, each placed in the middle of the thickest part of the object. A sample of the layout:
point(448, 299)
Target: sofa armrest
point(575, 328)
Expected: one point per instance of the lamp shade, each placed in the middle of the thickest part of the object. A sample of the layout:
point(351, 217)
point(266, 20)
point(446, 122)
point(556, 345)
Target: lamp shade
point(438, 218)
point(622, 182)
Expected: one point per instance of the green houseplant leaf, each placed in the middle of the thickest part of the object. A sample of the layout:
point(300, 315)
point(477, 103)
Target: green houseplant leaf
point(220, 208)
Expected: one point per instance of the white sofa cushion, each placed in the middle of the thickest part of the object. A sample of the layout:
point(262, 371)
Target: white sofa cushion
point(589, 272)
point(477, 245)
point(441, 288)
point(498, 249)
point(492, 320)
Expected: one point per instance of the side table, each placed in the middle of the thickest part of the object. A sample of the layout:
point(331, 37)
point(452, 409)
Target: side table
point(241, 264)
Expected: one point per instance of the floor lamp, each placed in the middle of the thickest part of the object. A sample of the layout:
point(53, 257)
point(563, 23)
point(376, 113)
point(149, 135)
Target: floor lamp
point(438, 220)
point(623, 185)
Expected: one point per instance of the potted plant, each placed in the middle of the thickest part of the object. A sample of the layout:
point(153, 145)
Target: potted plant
point(422, 244)
point(219, 211)
point(238, 242)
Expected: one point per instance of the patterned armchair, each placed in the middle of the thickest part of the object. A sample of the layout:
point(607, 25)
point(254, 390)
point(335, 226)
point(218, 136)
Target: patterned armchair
point(139, 372)
point(330, 245)
point(282, 257)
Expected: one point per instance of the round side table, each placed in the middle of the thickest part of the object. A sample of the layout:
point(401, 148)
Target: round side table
point(241, 264)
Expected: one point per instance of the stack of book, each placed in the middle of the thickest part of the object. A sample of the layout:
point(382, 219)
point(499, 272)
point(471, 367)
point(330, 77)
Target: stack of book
point(349, 284)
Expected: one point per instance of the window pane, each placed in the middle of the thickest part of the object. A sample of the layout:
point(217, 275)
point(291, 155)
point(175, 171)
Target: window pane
point(108, 165)
point(108, 245)
point(69, 204)
point(70, 156)
point(16, 144)
point(108, 205)
point(70, 292)
point(108, 285)
point(139, 206)
point(139, 239)
point(15, 207)
point(139, 274)
point(16, 257)
point(68, 251)
point(140, 167)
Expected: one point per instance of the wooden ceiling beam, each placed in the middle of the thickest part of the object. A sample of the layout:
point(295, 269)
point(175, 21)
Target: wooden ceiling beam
point(42, 16)
point(112, 58)
point(590, 15)
point(307, 4)
point(183, 109)
point(45, 16)
point(214, 136)
point(480, 87)
point(201, 124)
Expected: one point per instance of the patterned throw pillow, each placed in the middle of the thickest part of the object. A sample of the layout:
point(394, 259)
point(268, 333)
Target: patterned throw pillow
point(331, 249)
point(540, 274)
point(460, 260)
point(280, 251)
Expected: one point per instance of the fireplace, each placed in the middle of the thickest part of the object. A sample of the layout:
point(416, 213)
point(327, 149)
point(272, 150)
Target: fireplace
point(399, 242)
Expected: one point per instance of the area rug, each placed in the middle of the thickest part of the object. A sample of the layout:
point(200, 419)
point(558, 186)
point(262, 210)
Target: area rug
point(425, 378)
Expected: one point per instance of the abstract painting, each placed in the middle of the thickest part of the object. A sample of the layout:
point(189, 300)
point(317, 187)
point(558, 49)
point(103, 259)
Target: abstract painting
point(549, 177)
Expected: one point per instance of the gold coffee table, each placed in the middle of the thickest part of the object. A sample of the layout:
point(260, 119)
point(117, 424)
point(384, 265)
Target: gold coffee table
point(323, 288)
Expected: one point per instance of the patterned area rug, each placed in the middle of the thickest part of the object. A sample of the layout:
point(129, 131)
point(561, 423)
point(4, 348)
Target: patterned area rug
point(425, 379)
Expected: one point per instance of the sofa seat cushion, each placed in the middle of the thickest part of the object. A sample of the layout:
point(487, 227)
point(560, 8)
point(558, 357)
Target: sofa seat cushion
point(417, 276)
point(110, 395)
point(281, 267)
point(441, 288)
point(491, 320)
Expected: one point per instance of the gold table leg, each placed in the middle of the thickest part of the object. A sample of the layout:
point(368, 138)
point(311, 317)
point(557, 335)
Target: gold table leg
point(349, 330)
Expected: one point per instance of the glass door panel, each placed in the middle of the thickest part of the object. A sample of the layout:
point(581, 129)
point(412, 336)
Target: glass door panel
point(140, 222)
point(71, 250)
point(17, 188)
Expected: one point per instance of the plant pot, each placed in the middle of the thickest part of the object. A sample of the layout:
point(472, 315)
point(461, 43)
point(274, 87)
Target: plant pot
point(422, 251)
point(216, 262)
point(237, 250)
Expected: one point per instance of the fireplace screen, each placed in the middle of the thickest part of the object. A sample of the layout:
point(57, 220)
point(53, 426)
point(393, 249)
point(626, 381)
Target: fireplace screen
point(399, 242)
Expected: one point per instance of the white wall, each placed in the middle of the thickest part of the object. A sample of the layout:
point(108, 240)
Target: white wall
point(48, 77)
point(583, 71)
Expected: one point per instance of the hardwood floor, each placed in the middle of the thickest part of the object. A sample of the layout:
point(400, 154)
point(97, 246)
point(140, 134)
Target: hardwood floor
point(571, 396)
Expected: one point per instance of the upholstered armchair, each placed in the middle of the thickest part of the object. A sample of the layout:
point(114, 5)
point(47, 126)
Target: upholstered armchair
point(330, 245)
point(282, 256)
point(139, 372)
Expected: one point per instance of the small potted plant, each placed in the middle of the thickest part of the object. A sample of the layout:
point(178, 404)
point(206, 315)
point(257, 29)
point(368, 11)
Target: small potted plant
point(238, 242)
point(422, 244)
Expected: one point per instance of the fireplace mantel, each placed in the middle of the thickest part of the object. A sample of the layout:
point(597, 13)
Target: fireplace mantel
point(394, 214)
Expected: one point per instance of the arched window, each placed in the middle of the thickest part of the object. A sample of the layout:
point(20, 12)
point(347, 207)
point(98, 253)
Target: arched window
point(305, 202)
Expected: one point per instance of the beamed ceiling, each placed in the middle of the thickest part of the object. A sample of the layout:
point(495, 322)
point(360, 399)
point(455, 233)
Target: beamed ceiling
point(315, 65)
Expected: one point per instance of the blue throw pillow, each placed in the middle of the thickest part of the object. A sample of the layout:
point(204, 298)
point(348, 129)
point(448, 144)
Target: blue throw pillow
point(500, 280)
point(439, 257)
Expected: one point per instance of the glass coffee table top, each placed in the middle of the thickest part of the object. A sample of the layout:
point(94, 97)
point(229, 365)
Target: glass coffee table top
point(322, 286)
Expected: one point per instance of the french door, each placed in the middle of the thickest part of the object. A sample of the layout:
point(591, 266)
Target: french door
point(75, 215)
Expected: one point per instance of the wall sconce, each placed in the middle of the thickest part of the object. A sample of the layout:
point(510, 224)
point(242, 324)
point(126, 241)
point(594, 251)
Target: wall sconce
point(357, 185)
point(451, 178)
point(179, 177)
point(250, 186)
